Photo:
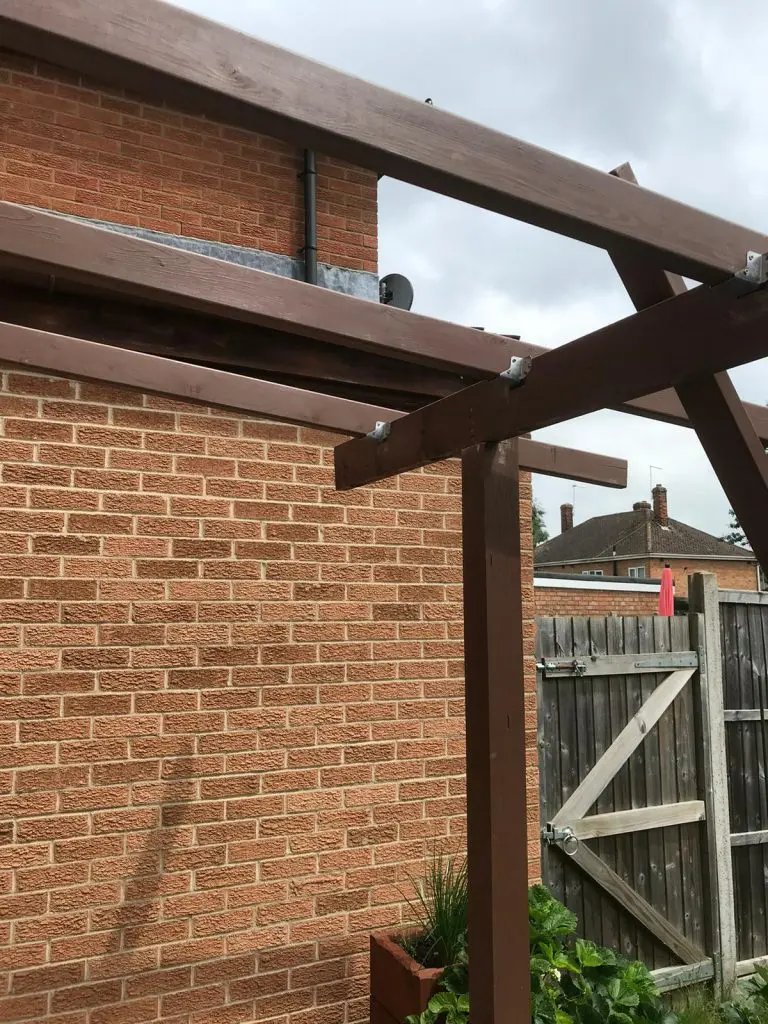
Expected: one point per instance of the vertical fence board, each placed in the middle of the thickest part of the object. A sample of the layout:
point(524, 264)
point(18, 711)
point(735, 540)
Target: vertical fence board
point(687, 789)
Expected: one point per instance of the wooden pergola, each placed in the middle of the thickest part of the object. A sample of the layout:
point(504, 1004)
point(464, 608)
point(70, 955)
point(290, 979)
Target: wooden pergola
point(91, 303)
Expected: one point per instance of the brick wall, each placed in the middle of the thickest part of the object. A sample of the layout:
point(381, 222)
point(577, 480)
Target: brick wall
point(556, 601)
point(71, 146)
point(730, 575)
point(232, 714)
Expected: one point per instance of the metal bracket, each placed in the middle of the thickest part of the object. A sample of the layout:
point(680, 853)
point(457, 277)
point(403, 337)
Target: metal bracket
point(673, 660)
point(381, 431)
point(519, 367)
point(564, 837)
point(755, 273)
point(571, 667)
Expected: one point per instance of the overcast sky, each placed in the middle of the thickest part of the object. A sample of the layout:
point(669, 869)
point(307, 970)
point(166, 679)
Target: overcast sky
point(677, 87)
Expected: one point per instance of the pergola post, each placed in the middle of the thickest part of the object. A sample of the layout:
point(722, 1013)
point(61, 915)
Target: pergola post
point(495, 730)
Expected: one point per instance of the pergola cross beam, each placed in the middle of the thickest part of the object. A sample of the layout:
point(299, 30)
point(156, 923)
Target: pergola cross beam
point(714, 408)
point(75, 357)
point(704, 331)
point(232, 298)
point(203, 67)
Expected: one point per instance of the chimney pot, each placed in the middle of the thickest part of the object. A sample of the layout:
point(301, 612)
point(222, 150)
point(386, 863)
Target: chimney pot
point(660, 511)
point(640, 505)
point(566, 518)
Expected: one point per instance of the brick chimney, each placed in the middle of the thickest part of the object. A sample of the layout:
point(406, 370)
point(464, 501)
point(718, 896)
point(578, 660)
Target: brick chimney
point(566, 518)
point(641, 506)
point(660, 512)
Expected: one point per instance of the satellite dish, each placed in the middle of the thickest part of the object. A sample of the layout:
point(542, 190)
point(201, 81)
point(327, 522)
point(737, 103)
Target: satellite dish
point(396, 290)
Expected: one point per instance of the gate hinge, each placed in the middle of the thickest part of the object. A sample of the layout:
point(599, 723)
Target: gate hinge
point(564, 837)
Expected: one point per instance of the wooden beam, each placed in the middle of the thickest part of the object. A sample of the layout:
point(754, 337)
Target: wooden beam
point(735, 451)
point(178, 58)
point(617, 664)
point(572, 464)
point(749, 838)
point(747, 967)
point(704, 622)
point(645, 280)
point(201, 338)
point(667, 979)
point(712, 405)
point(84, 254)
point(702, 332)
point(619, 752)
point(638, 819)
point(495, 730)
point(90, 360)
point(745, 715)
point(634, 904)
point(239, 298)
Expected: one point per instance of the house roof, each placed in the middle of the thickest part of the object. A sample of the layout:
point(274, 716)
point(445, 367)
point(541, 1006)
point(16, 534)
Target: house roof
point(633, 533)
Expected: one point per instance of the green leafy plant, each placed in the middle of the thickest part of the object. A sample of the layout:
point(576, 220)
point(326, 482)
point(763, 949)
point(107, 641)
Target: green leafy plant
point(752, 1006)
point(573, 981)
point(440, 909)
point(577, 982)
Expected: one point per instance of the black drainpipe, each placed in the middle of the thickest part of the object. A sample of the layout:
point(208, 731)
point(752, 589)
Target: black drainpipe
point(309, 177)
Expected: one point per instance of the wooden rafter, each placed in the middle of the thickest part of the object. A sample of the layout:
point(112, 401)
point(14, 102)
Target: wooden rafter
point(76, 357)
point(78, 252)
point(704, 331)
point(174, 56)
point(441, 357)
point(735, 451)
point(713, 406)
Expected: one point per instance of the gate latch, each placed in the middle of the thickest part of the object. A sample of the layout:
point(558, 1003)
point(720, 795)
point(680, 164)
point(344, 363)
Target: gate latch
point(568, 667)
point(563, 837)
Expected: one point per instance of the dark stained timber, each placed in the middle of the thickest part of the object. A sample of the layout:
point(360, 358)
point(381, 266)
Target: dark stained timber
point(76, 357)
point(188, 284)
point(186, 61)
point(701, 332)
point(83, 254)
point(735, 451)
point(94, 361)
point(714, 409)
point(494, 688)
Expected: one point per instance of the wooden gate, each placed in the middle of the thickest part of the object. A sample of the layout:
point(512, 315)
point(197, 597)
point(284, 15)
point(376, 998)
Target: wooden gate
point(624, 787)
point(744, 619)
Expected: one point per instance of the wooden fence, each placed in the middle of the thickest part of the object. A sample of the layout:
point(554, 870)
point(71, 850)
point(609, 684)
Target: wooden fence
point(744, 619)
point(653, 749)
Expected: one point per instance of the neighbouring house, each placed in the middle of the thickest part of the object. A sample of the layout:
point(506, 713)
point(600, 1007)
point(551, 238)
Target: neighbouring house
point(232, 717)
point(638, 544)
point(567, 593)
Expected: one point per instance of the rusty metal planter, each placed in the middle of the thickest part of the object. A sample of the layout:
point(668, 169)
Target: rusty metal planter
point(399, 985)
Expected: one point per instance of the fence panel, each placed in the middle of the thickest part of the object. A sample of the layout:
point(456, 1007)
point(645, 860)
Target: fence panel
point(744, 622)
